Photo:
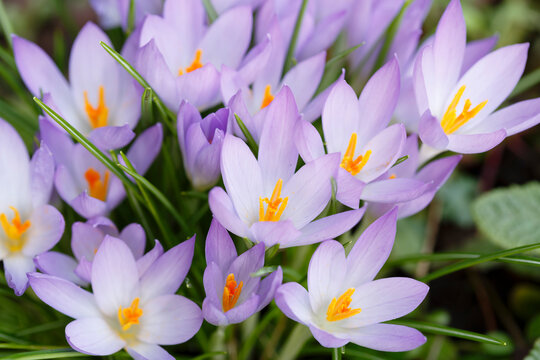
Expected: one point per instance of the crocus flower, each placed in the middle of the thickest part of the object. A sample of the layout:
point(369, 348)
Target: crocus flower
point(114, 13)
point(435, 174)
point(344, 304)
point(101, 100)
point(83, 181)
point(266, 201)
point(223, 5)
point(126, 310)
point(458, 112)
point(85, 240)
point(200, 141)
point(356, 130)
point(181, 56)
point(28, 226)
point(232, 294)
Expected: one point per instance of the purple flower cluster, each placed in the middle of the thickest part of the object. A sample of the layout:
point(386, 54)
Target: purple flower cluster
point(444, 91)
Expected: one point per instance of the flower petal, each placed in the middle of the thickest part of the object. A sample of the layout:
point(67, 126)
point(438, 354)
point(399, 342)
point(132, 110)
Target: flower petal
point(219, 247)
point(16, 267)
point(308, 141)
point(243, 311)
point(42, 175)
point(144, 263)
point(431, 132)
point(135, 238)
point(268, 287)
point(387, 337)
point(111, 137)
point(223, 209)
point(143, 351)
point(475, 143)
point(93, 336)
point(46, 230)
point(326, 339)
point(59, 265)
point(394, 190)
point(476, 50)
point(213, 314)
point(304, 78)
point(145, 148)
point(293, 300)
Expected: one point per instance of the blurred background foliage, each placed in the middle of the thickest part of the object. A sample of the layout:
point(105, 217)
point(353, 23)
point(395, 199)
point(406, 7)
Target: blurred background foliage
point(491, 202)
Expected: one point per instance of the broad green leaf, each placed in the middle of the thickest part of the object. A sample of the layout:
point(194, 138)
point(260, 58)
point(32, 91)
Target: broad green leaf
point(510, 217)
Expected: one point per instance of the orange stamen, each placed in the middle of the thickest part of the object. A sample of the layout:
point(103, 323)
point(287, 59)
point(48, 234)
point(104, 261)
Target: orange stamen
point(339, 308)
point(97, 115)
point(392, 176)
point(130, 315)
point(267, 97)
point(14, 230)
point(195, 64)
point(231, 292)
point(349, 163)
point(275, 205)
point(451, 121)
point(97, 188)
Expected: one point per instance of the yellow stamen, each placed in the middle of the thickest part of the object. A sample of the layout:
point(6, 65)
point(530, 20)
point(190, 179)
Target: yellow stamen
point(195, 64)
point(339, 308)
point(97, 115)
point(451, 121)
point(129, 316)
point(231, 292)
point(349, 163)
point(14, 230)
point(392, 176)
point(275, 205)
point(97, 188)
point(267, 97)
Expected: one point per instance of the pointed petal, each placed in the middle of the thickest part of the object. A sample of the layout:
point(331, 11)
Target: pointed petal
point(144, 263)
point(268, 287)
point(386, 337)
point(16, 267)
point(200, 87)
point(219, 247)
point(86, 205)
point(46, 230)
point(308, 141)
point(324, 34)
point(135, 238)
point(513, 119)
point(93, 336)
point(59, 265)
point(145, 148)
point(304, 78)
point(476, 50)
point(314, 108)
point(223, 209)
point(111, 137)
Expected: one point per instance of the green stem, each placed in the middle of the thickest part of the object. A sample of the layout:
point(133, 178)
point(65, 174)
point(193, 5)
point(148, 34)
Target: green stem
point(336, 354)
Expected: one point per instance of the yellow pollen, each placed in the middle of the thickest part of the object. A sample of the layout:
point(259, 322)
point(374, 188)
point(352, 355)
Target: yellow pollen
point(195, 64)
point(349, 163)
point(130, 315)
point(451, 121)
point(268, 97)
point(97, 115)
point(392, 176)
point(339, 308)
point(275, 205)
point(231, 292)
point(97, 187)
point(14, 230)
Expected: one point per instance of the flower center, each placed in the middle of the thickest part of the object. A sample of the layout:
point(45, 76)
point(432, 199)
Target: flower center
point(195, 64)
point(349, 163)
point(339, 308)
point(267, 97)
point(392, 176)
point(97, 187)
point(97, 115)
point(231, 292)
point(275, 205)
point(14, 230)
point(130, 315)
point(451, 121)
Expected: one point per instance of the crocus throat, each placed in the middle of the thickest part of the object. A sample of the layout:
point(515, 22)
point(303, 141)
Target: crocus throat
point(451, 121)
point(231, 292)
point(195, 64)
point(97, 115)
point(97, 187)
point(130, 315)
point(339, 308)
point(267, 97)
point(349, 163)
point(14, 230)
point(275, 205)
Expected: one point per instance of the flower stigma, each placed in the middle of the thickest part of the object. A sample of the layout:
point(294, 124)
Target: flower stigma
point(267, 97)
point(130, 315)
point(451, 121)
point(97, 115)
point(349, 163)
point(14, 230)
point(275, 205)
point(231, 292)
point(339, 308)
point(97, 187)
point(195, 64)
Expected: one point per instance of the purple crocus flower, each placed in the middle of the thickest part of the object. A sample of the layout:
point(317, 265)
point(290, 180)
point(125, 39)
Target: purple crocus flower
point(126, 310)
point(200, 141)
point(114, 13)
point(28, 226)
point(344, 304)
point(83, 181)
point(266, 201)
point(101, 98)
point(223, 5)
point(232, 294)
point(85, 240)
point(181, 56)
point(356, 130)
point(435, 174)
point(458, 112)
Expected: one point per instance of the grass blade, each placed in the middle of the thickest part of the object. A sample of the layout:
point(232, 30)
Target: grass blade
point(448, 331)
point(341, 55)
point(289, 58)
point(6, 24)
point(250, 141)
point(520, 260)
point(210, 10)
point(46, 354)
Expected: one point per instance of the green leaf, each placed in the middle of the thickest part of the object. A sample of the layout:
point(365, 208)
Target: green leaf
point(250, 141)
point(520, 260)
point(448, 331)
point(481, 259)
point(289, 59)
point(46, 354)
point(265, 270)
point(6, 24)
point(400, 160)
point(131, 17)
point(210, 10)
point(510, 217)
point(341, 55)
